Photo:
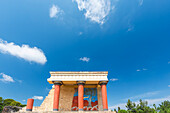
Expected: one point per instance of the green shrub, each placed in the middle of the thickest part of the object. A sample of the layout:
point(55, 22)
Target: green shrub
point(14, 103)
point(122, 111)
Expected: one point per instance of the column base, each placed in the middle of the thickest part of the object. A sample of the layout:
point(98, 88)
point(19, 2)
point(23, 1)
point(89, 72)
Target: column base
point(28, 109)
point(105, 109)
point(55, 110)
point(80, 109)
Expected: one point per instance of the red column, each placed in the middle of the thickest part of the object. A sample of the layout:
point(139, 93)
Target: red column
point(29, 104)
point(80, 95)
point(56, 96)
point(104, 96)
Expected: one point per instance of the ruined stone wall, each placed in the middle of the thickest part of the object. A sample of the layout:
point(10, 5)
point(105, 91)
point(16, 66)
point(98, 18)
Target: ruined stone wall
point(47, 104)
point(66, 98)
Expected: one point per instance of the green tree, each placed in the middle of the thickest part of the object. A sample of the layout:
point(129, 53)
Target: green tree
point(122, 111)
point(164, 107)
point(7, 102)
point(115, 110)
point(154, 105)
point(1, 104)
point(142, 107)
point(15, 103)
point(118, 109)
point(130, 105)
point(22, 105)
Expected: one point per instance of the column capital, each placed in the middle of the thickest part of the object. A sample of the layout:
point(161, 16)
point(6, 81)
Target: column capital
point(103, 82)
point(81, 82)
point(57, 83)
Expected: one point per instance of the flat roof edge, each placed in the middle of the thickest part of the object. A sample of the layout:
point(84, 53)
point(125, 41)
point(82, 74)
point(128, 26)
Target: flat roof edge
point(78, 72)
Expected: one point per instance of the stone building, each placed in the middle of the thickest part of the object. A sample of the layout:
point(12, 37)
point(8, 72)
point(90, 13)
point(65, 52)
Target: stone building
point(76, 91)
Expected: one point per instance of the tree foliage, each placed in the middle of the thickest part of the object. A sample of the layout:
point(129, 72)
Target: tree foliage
point(164, 107)
point(9, 102)
point(1, 104)
point(122, 111)
point(142, 107)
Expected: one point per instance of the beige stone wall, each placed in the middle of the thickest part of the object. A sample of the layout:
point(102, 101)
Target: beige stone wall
point(66, 98)
point(47, 104)
point(65, 101)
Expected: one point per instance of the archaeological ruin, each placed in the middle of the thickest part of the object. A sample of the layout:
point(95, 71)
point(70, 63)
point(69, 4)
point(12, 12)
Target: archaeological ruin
point(74, 91)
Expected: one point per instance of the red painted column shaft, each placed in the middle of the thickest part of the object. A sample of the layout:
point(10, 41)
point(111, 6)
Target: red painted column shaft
point(29, 104)
point(56, 97)
point(104, 97)
point(80, 97)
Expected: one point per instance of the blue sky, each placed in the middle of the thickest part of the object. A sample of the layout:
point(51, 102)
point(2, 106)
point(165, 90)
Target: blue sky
point(129, 39)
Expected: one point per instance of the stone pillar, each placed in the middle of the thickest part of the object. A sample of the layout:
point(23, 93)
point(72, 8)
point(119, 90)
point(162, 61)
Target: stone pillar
point(99, 96)
point(104, 94)
point(80, 95)
point(56, 95)
point(29, 104)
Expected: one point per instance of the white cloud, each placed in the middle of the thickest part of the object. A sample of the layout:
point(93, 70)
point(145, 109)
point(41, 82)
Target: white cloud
point(121, 105)
point(168, 85)
point(23, 100)
point(38, 97)
point(157, 100)
point(20, 81)
point(85, 59)
point(95, 10)
point(80, 33)
point(130, 28)
point(54, 11)
point(138, 70)
point(144, 69)
point(47, 89)
point(150, 102)
point(169, 62)
point(140, 2)
point(6, 78)
point(141, 96)
point(25, 52)
point(113, 79)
